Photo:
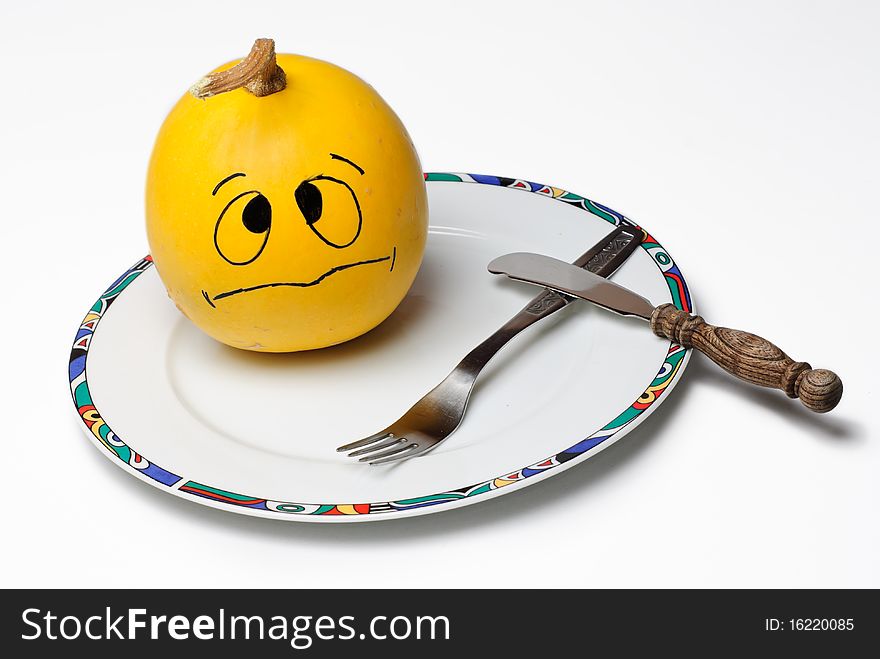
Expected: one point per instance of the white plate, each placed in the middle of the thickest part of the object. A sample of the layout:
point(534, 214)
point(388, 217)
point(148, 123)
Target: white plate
point(256, 433)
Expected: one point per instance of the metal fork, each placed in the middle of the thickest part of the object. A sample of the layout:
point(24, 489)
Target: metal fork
point(439, 413)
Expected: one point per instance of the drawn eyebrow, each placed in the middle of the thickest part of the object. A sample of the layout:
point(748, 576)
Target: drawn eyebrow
point(338, 157)
point(226, 180)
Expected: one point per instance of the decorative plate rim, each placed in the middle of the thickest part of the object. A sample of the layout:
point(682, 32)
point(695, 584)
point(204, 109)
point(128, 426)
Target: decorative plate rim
point(136, 464)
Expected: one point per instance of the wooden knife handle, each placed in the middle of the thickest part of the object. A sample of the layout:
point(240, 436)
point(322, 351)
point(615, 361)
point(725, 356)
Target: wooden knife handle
point(750, 358)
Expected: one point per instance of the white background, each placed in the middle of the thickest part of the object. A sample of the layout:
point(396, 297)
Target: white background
point(745, 136)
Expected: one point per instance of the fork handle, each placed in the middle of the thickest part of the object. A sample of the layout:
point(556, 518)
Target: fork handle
point(750, 358)
point(603, 259)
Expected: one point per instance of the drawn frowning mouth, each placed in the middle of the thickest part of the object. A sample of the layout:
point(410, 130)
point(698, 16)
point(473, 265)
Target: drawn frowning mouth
point(301, 284)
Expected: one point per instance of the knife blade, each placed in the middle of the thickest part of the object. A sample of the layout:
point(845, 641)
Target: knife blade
point(603, 259)
point(562, 277)
point(745, 355)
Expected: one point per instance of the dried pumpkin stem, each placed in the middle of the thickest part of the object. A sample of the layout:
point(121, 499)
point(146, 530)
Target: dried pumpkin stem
point(258, 73)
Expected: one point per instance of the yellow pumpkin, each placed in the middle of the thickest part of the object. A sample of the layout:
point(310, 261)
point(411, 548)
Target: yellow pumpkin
point(285, 204)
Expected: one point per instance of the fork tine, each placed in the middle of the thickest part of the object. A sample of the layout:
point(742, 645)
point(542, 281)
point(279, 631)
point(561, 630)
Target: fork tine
point(405, 455)
point(363, 442)
point(372, 448)
point(384, 455)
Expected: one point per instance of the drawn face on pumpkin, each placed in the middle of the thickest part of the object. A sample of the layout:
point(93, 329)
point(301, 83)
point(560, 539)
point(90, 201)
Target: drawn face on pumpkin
point(327, 205)
point(287, 222)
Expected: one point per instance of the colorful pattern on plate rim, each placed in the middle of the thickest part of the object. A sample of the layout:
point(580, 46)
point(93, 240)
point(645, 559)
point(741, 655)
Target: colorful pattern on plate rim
point(93, 421)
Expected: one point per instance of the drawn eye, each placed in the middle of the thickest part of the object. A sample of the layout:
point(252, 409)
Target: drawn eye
point(331, 209)
point(257, 215)
point(242, 229)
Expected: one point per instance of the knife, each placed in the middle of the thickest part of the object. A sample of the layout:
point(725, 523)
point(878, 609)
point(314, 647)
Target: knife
point(747, 356)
